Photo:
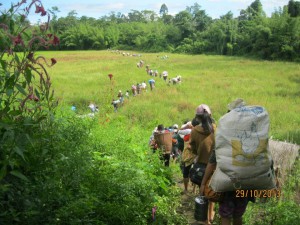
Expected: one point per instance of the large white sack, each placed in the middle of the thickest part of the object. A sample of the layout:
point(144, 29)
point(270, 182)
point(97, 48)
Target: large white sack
point(242, 151)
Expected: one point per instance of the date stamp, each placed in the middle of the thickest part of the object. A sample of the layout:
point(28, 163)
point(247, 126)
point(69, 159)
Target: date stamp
point(273, 193)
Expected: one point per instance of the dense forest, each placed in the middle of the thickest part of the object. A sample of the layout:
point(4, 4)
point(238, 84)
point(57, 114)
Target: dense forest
point(190, 31)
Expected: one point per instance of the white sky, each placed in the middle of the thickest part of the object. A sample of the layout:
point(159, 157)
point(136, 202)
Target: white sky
point(99, 8)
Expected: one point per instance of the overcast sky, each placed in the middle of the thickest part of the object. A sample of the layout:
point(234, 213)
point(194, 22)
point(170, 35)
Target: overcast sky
point(99, 8)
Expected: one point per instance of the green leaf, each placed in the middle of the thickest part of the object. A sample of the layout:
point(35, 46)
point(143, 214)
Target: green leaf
point(19, 175)
point(3, 64)
point(9, 91)
point(10, 82)
point(28, 75)
point(15, 112)
point(3, 172)
point(16, 75)
point(37, 93)
point(19, 152)
point(45, 151)
point(17, 58)
point(21, 89)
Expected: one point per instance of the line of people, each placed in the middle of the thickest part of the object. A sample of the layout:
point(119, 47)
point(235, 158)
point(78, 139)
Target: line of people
point(136, 89)
point(139, 88)
point(164, 75)
point(195, 142)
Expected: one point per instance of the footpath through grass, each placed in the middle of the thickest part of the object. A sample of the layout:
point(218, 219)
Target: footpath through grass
point(81, 77)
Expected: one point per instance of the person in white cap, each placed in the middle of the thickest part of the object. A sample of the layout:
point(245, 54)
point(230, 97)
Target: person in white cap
point(202, 142)
point(121, 96)
point(165, 75)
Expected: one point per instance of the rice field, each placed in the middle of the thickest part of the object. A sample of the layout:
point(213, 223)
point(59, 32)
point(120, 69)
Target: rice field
point(81, 77)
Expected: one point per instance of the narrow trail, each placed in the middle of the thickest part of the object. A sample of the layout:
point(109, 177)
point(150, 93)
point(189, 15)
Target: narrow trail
point(188, 205)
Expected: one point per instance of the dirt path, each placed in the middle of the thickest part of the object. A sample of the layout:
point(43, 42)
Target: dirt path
point(188, 204)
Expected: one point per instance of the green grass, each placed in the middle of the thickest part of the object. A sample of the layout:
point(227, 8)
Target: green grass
point(80, 77)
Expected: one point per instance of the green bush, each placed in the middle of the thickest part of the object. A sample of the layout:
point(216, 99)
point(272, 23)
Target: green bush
point(278, 211)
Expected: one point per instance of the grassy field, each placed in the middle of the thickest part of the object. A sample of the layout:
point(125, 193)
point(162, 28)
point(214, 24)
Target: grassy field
point(81, 77)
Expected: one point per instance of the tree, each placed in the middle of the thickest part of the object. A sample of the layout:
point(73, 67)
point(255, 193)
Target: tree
point(184, 21)
point(201, 20)
point(193, 9)
point(115, 17)
point(167, 19)
point(149, 15)
point(255, 9)
point(163, 10)
point(294, 8)
point(54, 26)
point(136, 16)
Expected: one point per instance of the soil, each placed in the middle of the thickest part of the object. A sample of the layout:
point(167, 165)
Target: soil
point(188, 205)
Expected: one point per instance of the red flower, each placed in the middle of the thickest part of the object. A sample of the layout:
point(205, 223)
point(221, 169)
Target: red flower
point(53, 61)
point(30, 56)
point(33, 97)
point(40, 9)
point(17, 40)
point(55, 40)
point(110, 76)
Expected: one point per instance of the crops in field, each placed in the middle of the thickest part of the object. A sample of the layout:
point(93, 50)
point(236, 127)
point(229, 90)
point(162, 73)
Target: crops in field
point(81, 77)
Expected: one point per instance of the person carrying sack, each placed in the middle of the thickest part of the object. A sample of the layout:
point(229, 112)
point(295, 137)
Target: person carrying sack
point(241, 160)
point(163, 139)
point(188, 156)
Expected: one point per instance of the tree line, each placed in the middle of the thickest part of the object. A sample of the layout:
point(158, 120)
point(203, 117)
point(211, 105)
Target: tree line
point(190, 31)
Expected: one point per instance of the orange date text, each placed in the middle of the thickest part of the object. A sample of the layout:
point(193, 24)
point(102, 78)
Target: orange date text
point(258, 193)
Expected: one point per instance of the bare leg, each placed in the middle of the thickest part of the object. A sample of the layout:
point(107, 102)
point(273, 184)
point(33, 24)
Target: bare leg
point(186, 184)
point(211, 211)
point(194, 188)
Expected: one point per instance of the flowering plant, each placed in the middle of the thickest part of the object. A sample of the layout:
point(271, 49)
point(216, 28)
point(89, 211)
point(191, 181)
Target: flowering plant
point(26, 98)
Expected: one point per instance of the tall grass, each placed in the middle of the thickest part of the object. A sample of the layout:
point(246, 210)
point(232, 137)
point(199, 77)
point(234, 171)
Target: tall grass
point(82, 76)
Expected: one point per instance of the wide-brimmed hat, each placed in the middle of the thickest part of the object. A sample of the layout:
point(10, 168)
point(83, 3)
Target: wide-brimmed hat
point(201, 109)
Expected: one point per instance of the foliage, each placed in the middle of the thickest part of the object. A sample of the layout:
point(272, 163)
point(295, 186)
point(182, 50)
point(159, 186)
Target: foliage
point(278, 211)
point(127, 181)
point(26, 98)
point(59, 168)
point(252, 33)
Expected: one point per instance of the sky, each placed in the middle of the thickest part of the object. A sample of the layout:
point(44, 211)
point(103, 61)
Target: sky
point(99, 8)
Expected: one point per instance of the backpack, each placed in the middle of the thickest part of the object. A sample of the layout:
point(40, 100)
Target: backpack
point(164, 141)
point(242, 151)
